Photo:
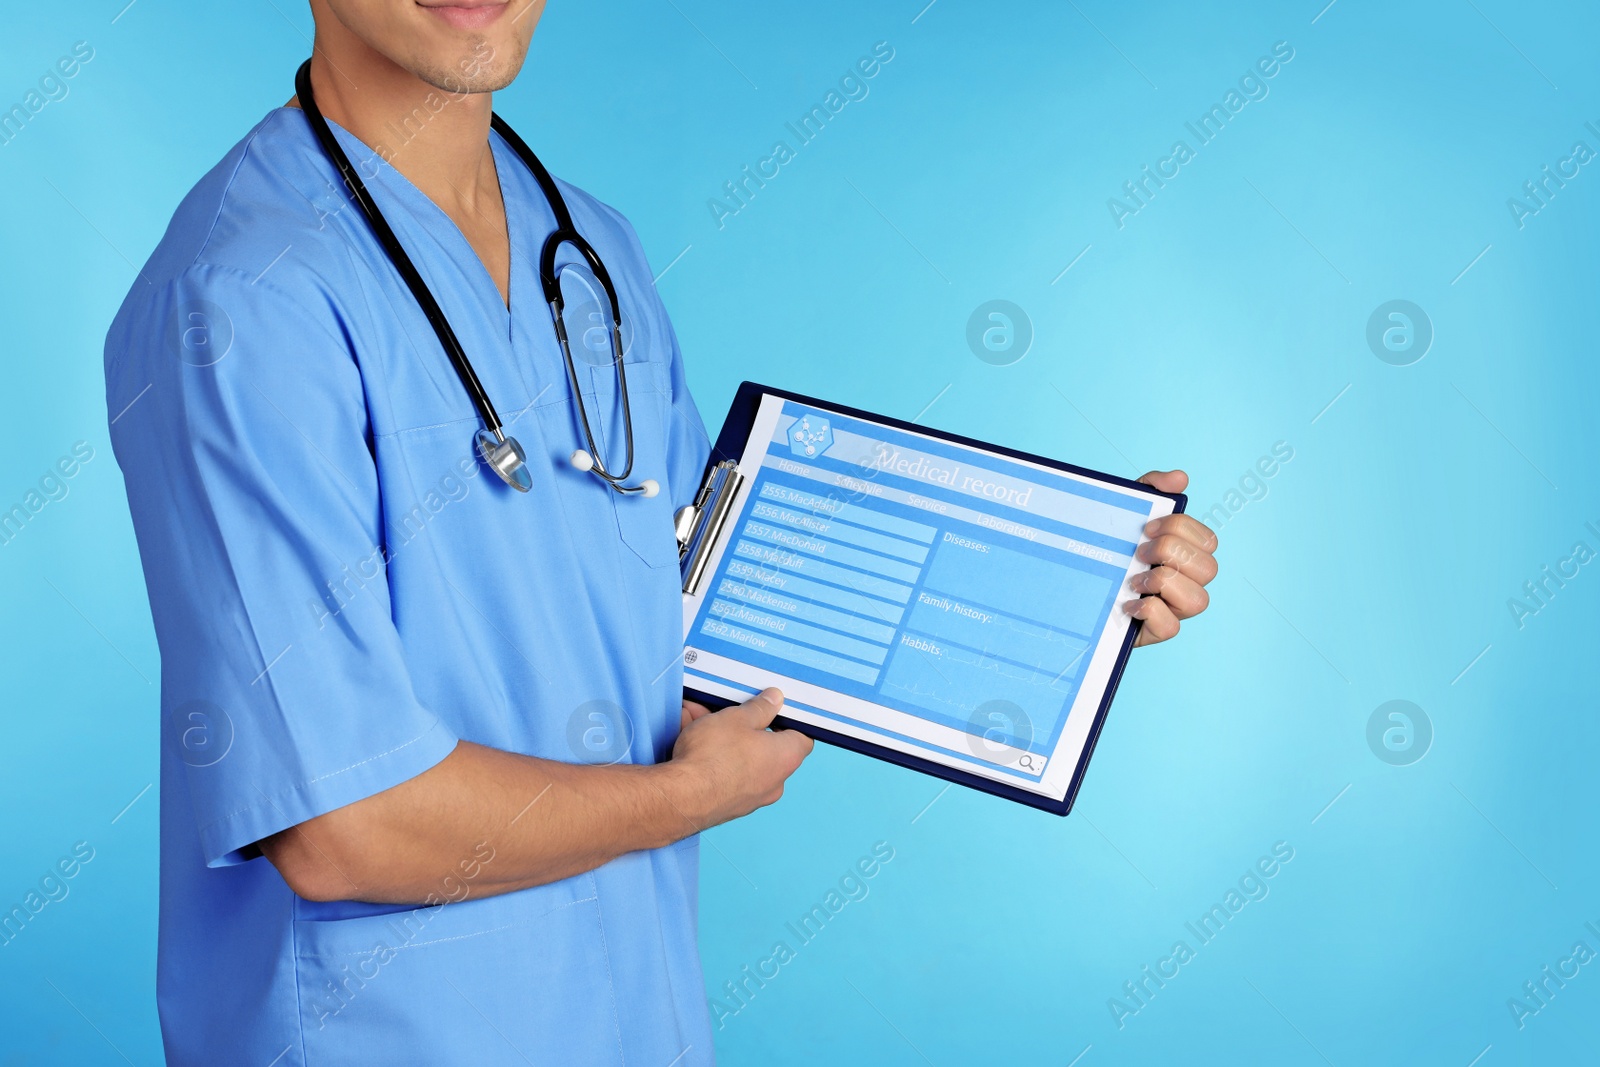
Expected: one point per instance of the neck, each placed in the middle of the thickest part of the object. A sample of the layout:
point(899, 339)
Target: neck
point(438, 139)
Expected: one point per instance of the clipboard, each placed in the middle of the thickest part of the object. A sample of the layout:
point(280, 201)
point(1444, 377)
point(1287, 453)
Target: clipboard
point(943, 604)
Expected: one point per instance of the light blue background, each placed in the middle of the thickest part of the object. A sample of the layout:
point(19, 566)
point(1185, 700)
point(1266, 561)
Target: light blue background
point(1223, 318)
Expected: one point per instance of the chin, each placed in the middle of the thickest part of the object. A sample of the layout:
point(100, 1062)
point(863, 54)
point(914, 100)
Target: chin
point(476, 63)
point(462, 46)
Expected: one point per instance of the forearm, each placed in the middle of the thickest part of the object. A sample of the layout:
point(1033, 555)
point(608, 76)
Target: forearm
point(503, 820)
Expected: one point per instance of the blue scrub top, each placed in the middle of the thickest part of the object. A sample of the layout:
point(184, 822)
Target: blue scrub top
point(341, 591)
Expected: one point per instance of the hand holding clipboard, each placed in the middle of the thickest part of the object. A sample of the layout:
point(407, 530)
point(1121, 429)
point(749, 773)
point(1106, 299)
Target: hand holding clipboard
point(958, 608)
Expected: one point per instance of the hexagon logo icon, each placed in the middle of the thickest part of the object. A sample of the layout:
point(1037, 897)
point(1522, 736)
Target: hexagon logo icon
point(810, 436)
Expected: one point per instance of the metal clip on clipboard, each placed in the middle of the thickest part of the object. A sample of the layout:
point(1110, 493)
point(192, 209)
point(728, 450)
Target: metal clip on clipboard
point(699, 525)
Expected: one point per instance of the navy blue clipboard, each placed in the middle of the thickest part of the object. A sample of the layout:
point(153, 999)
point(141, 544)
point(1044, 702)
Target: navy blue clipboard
point(730, 445)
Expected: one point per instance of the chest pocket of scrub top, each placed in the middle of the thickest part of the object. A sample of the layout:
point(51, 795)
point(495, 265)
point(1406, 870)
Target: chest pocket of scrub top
point(644, 523)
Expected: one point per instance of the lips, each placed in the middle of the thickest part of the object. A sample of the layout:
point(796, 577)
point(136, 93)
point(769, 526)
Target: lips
point(468, 15)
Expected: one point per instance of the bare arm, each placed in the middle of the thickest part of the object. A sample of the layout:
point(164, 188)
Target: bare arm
point(539, 819)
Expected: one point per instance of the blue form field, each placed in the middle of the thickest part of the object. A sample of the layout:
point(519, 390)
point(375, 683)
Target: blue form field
point(950, 504)
point(870, 562)
point(824, 505)
point(839, 531)
point(951, 683)
point(746, 615)
point(784, 650)
point(1039, 647)
point(1021, 584)
point(795, 563)
point(794, 607)
point(767, 578)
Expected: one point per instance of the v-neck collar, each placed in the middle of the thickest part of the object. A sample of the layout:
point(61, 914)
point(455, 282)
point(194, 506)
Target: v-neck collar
point(503, 158)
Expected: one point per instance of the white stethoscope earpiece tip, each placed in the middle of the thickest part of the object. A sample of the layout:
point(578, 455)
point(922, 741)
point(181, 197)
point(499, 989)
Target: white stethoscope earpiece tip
point(583, 460)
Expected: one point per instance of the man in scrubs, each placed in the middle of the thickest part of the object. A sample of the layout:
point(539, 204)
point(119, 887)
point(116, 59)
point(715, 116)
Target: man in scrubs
point(417, 804)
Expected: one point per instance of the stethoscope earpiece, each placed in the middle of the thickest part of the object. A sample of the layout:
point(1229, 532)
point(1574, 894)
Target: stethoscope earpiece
point(583, 461)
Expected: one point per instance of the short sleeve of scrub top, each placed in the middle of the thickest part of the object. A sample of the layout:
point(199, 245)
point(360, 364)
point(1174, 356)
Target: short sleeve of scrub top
point(296, 710)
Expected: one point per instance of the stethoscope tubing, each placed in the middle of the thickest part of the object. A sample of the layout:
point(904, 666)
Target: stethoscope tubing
point(550, 284)
point(397, 254)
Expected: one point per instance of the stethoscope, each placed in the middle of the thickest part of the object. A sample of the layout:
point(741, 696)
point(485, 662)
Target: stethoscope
point(500, 450)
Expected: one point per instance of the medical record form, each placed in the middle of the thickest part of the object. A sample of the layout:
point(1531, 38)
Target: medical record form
point(946, 605)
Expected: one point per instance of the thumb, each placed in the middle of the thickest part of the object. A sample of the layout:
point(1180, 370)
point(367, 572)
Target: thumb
point(761, 709)
point(1167, 481)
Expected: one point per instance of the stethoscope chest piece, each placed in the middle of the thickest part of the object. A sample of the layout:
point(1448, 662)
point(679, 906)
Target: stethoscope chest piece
point(504, 455)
